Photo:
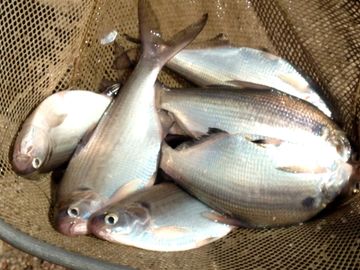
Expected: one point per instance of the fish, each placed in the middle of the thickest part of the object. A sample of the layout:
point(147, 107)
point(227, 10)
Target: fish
point(121, 156)
point(225, 64)
point(257, 110)
point(50, 134)
point(252, 183)
point(160, 218)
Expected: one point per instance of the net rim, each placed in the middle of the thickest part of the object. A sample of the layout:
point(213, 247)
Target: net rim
point(53, 254)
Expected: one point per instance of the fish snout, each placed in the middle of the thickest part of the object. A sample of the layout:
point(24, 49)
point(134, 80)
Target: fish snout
point(23, 164)
point(99, 228)
point(71, 226)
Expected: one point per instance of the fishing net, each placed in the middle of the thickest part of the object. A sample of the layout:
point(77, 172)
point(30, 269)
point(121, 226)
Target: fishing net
point(48, 45)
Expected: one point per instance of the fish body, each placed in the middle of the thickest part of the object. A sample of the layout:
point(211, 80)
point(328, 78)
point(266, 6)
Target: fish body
point(255, 184)
point(227, 65)
point(160, 218)
point(121, 156)
point(49, 136)
point(257, 111)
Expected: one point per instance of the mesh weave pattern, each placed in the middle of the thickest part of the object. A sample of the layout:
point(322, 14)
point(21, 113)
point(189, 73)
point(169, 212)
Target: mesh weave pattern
point(49, 45)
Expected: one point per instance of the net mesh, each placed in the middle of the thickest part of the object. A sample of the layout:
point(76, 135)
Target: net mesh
point(49, 45)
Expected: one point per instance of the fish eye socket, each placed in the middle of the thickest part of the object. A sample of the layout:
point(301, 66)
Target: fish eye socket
point(73, 212)
point(111, 219)
point(36, 163)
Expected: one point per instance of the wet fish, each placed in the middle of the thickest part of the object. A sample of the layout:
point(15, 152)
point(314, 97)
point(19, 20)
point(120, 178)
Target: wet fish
point(49, 136)
point(229, 65)
point(255, 110)
point(260, 186)
point(121, 156)
point(160, 218)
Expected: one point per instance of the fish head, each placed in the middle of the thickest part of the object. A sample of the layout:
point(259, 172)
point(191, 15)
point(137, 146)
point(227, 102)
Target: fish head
point(118, 222)
point(72, 215)
point(31, 150)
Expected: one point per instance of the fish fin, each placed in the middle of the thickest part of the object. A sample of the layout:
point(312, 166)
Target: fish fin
point(166, 121)
point(55, 120)
point(263, 49)
point(169, 231)
point(125, 190)
point(219, 218)
point(216, 85)
point(206, 241)
point(154, 47)
point(302, 169)
point(247, 85)
point(212, 132)
point(267, 54)
point(215, 131)
point(175, 129)
point(267, 142)
point(287, 78)
point(220, 40)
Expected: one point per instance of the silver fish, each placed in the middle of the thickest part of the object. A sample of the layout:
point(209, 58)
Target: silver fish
point(255, 110)
point(49, 136)
point(252, 183)
point(160, 218)
point(122, 154)
point(228, 65)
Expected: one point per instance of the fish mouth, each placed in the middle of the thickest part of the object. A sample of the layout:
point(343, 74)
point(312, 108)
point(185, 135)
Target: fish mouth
point(73, 227)
point(99, 229)
point(22, 164)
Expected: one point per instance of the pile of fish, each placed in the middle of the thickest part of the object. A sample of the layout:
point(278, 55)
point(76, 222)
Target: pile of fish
point(263, 152)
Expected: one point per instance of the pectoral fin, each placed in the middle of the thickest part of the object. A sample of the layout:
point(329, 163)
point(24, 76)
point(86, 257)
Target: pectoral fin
point(247, 85)
point(217, 217)
point(289, 79)
point(170, 232)
point(302, 169)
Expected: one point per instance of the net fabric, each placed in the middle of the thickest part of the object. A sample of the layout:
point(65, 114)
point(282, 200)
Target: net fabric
point(49, 45)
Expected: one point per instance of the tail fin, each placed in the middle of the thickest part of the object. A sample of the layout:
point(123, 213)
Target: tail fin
point(154, 47)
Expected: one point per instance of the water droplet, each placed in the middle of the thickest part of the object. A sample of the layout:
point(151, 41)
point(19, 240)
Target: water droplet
point(291, 245)
point(273, 218)
point(343, 219)
point(318, 227)
point(332, 236)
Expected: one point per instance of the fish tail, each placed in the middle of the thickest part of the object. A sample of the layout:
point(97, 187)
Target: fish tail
point(154, 47)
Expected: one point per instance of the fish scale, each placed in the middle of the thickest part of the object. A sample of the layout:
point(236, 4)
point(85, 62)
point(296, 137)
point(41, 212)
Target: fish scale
point(265, 112)
point(245, 182)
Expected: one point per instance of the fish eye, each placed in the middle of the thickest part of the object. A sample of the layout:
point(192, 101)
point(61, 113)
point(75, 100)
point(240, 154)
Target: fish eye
point(36, 163)
point(111, 219)
point(73, 212)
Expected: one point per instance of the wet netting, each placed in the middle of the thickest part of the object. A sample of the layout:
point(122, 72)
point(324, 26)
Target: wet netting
point(49, 45)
